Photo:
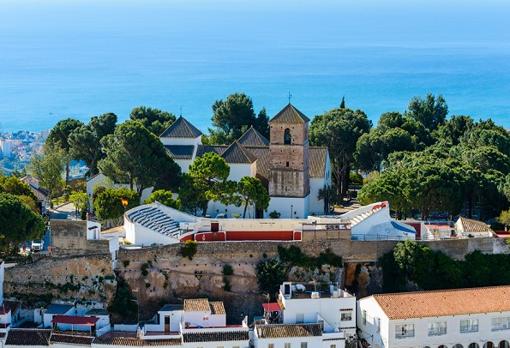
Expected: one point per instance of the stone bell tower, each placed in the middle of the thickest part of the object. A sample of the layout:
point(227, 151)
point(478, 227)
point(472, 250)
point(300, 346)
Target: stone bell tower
point(289, 157)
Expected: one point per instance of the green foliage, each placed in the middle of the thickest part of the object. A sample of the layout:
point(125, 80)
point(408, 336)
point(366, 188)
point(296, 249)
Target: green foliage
point(135, 156)
point(18, 222)
point(124, 304)
point(251, 191)
point(430, 270)
point(163, 197)
point(189, 249)
point(48, 168)
point(270, 275)
point(233, 116)
point(339, 130)
point(504, 218)
point(431, 111)
point(108, 202)
point(274, 214)
point(155, 120)
point(145, 269)
point(59, 138)
point(293, 256)
point(227, 270)
point(191, 197)
point(85, 141)
point(208, 174)
point(79, 200)
point(14, 186)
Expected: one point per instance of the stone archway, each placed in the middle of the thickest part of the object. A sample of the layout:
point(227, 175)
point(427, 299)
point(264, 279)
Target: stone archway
point(458, 345)
point(442, 346)
point(474, 345)
point(504, 344)
point(489, 345)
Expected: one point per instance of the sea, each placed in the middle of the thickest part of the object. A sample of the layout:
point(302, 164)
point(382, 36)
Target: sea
point(80, 58)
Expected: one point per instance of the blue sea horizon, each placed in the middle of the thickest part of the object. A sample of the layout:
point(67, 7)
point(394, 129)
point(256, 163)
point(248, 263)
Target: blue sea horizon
point(60, 60)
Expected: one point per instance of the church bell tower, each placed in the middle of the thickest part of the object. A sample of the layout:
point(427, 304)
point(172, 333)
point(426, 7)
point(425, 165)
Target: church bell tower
point(289, 158)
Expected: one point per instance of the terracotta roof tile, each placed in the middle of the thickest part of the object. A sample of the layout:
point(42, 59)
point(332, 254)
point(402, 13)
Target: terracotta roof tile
point(196, 305)
point(181, 128)
point(317, 159)
point(288, 330)
point(28, 337)
point(438, 303)
point(127, 339)
point(216, 336)
point(289, 114)
point(236, 153)
point(470, 225)
point(72, 339)
point(217, 307)
point(253, 138)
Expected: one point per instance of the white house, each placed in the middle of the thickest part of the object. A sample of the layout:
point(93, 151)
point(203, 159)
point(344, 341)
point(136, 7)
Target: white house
point(196, 323)
point(461, 318)
point(307, 315)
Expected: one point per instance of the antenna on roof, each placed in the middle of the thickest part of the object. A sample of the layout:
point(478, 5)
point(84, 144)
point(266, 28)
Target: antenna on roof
point(290, 96)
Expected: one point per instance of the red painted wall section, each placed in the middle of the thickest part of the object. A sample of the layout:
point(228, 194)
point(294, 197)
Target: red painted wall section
point(245, 235)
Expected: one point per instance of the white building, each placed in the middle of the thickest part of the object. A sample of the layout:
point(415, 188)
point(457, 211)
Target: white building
point(307, 315)
point(254, 155)
point(461, 318)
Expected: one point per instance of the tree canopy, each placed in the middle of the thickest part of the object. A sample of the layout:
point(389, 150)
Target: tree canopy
point(430, 111)
point(135, 156)
point(209, 174)
point(164, 197)
point(108, 202)
point(59, 138)
point(48, 168)
point(18, 222)
point(233, 116)
point(85, 141)
point(339, 130)
point(252, 192)
point(155, 120)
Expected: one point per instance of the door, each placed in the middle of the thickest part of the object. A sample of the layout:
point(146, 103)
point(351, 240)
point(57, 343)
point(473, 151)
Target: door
point(167, 324)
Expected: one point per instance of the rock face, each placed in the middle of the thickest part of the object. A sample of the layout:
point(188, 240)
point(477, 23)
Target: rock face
point(83, 278)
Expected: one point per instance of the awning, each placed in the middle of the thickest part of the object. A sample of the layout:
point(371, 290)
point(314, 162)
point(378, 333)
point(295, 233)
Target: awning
point(271, 307)
point(74, 320)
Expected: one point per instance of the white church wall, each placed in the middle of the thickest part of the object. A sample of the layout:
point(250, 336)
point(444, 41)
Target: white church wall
point(289, 207)
point(316, 205)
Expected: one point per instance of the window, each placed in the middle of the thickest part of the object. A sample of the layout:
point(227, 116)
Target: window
point(287, 138)
point(270, 345)
point(378, 324)
point(499, 324)
point(332, 346)
point(346, 316)
point(287, 164)
point(364, 317)
point(468, 325)
point(304, 345)
point(437, 328)
point(404, 330)
point(286, 345)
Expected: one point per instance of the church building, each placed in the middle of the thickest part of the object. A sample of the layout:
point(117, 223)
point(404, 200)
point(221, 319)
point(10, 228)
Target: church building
point(291, 169)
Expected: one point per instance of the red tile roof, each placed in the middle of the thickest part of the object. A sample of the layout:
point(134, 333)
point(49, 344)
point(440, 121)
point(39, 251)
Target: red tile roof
point(74, 320)
point(420, 304)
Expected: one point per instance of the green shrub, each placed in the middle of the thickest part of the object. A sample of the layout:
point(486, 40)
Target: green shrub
point(227, 270)
point(145, 269)
point(189, 249)
point(270, 275)
point(274, 214)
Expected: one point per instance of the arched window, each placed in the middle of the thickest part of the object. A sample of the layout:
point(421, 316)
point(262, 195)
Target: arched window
point(504, 344)
point(488, 345)
point(287, 138)
point(473, 345)
point(442, 346)
point(458, 346)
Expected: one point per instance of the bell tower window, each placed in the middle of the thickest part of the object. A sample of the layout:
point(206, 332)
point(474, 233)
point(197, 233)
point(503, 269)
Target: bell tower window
point(287, 138)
